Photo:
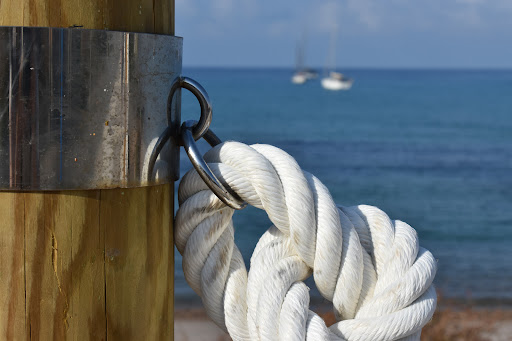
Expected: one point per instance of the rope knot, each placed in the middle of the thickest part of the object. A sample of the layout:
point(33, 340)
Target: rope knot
point(370, 267)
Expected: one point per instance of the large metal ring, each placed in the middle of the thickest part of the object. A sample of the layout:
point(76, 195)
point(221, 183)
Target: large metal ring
point(200, 128)
point(228, 197)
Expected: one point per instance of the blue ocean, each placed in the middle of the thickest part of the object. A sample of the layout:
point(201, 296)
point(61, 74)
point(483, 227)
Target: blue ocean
point(430, 147)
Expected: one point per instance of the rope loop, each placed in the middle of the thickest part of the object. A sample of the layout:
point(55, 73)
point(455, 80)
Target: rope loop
point(370, 267)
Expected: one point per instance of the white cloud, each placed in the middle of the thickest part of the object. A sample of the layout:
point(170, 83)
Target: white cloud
point(478, 13)
point(249, 8)
point(470, 2)
point(397, 15)
point(366, 12)
point(326, 16)
point(352, 17)
point(356, 15)
point(222, 8)
point(468, 17)
point(185, 8)
point(281, 28)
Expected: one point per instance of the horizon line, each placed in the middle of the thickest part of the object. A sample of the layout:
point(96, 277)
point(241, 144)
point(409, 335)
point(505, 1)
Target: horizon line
point(259, 67)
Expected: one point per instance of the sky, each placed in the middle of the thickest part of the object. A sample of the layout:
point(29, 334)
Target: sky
point(369, 33)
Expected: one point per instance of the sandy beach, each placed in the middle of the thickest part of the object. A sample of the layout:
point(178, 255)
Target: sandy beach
point(194, 325)
point(452, 322)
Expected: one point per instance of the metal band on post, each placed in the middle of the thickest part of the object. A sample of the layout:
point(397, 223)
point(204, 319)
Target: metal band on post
point(81, 109)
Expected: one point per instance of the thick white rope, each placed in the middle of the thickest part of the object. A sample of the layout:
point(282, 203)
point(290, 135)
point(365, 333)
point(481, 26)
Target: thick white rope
point(372, 268)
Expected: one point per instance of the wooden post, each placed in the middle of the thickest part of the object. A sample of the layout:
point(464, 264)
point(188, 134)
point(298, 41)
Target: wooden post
point(88, 265)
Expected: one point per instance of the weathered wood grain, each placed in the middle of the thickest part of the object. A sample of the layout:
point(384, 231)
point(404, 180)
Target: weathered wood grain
point(64, 272)
point(138, 275)
point(12, 267)
point(151, 16)
point(88, 265)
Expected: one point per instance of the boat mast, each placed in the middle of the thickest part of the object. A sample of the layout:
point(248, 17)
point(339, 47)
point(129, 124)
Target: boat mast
point(331, 57)
point(299, 57)
point(301, 47)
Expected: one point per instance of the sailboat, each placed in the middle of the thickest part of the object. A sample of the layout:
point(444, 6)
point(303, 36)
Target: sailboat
point(302, 74)
point(335, 80)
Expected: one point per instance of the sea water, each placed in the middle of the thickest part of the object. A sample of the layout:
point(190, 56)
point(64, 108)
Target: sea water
point(430, 147)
